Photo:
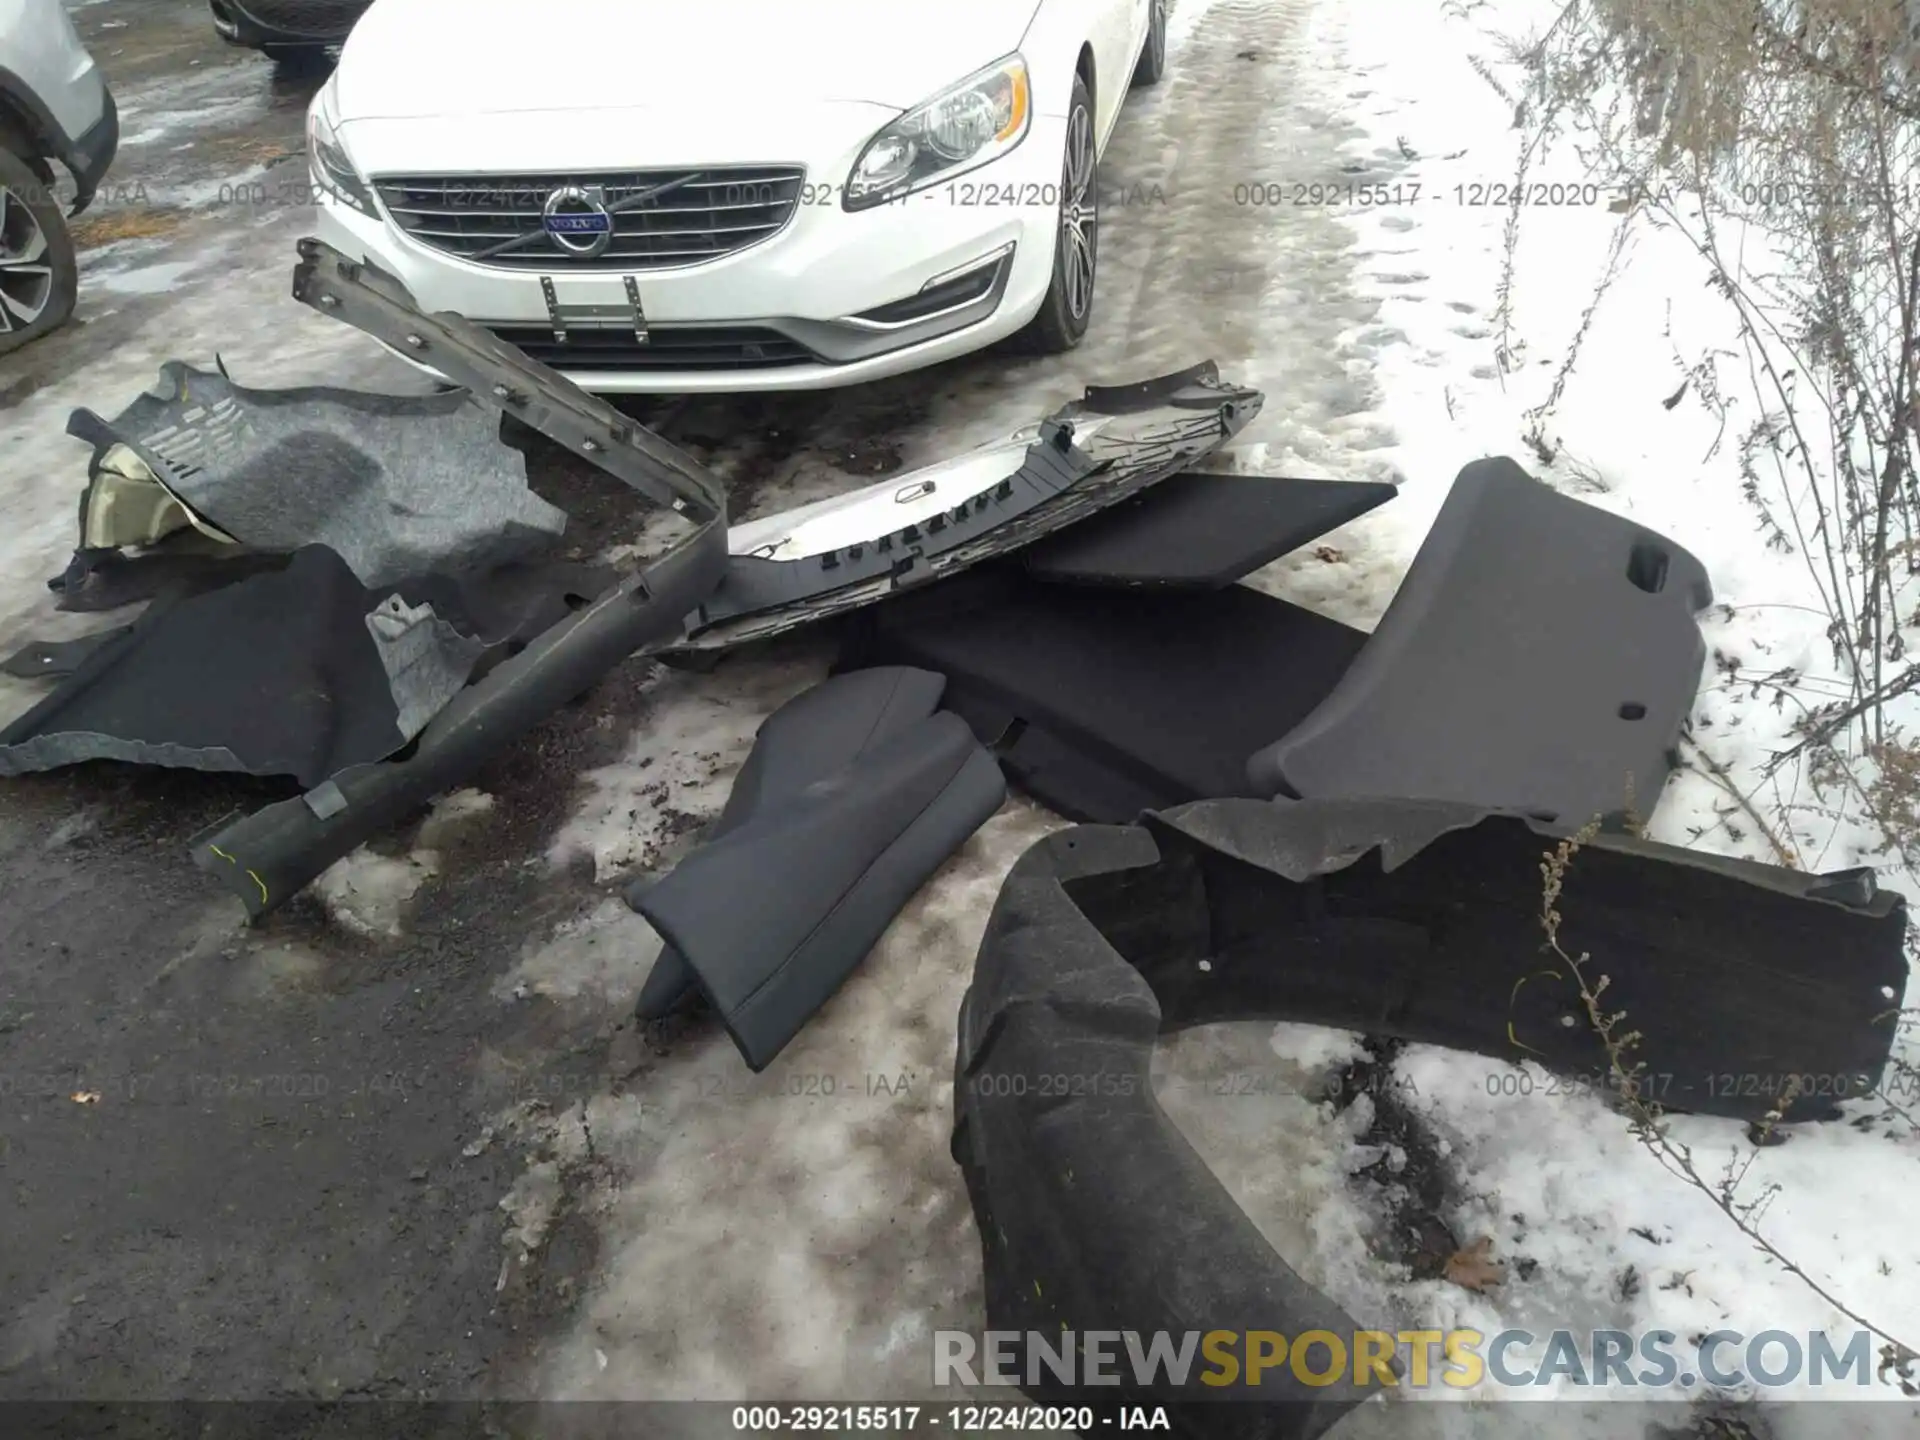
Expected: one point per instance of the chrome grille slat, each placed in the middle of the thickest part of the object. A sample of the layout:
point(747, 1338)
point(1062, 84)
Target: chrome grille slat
point(433, 210)
point(540, 185)
point(706, 214)
point(663, 234)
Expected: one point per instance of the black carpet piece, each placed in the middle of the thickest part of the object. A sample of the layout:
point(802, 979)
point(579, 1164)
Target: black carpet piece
point(818, 732)
point(101, 580)
point(1541, 656)
point(774, 916)
point(1201, 531)
point(55, 659)
point(277, 674)
point(1103, 703)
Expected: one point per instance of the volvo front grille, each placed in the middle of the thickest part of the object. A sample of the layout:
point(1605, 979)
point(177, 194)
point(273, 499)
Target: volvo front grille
point(632, 220)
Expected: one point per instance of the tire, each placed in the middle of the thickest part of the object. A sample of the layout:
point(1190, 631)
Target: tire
point(39, 272)
point(1153, 55)
point(1062, 318)
point(298, 59)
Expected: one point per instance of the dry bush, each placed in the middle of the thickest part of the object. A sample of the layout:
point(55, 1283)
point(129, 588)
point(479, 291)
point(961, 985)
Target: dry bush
point(1797, 122)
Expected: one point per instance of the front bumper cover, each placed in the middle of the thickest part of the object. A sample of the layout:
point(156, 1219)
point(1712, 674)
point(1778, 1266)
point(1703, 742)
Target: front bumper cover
point(1156, 429)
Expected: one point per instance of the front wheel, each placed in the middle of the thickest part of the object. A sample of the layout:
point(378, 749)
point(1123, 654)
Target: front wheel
point(39, 272)
point(1063, 316)
point(1153, 55)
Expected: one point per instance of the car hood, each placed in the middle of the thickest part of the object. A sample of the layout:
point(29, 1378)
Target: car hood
point(410, 58)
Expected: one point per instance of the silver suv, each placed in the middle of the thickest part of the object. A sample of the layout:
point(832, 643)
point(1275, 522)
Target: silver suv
point(54, 105)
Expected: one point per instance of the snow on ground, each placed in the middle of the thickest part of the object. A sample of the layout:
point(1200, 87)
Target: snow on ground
point(184, 103)
point(812, 1209)
point(368, 892)
point(690, 734)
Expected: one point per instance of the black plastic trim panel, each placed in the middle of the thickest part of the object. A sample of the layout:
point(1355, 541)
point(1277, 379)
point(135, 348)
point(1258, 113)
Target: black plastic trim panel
point(1420, 921)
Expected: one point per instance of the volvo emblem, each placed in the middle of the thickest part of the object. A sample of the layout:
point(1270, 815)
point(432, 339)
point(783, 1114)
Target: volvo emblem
point(577, 220)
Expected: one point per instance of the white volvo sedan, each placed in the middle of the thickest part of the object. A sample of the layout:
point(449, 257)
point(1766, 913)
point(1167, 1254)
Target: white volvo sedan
point(734, 194)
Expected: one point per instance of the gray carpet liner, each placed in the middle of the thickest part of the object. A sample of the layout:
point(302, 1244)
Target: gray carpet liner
point(265, 857)
point(1541, 655)
point(396, 485)
point(427, 660)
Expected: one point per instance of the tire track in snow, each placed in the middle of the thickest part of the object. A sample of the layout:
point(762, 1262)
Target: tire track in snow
point(1262, 289)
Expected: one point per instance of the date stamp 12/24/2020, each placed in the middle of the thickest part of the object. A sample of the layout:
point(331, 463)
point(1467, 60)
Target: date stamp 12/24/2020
point(1471, 195)
point(1748, 197)
point(948, 1419)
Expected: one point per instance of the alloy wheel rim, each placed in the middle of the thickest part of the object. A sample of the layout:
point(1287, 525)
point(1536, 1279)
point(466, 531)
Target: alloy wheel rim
point(26, 272)
point(1079, 215)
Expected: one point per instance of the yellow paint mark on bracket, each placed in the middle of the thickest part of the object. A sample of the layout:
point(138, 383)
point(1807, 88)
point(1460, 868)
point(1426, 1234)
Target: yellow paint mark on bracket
point(252, 875)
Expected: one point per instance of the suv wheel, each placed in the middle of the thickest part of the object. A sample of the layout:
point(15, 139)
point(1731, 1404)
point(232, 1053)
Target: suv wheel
point(39, 273)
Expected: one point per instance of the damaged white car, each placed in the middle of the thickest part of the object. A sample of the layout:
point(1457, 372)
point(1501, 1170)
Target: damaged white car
point(734, 195)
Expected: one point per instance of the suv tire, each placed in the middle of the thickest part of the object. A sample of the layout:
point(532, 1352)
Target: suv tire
point(298, 59)
point(39, 271)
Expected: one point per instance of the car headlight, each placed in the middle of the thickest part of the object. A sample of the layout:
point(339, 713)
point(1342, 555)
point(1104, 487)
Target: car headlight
point(960, 129)
point(327, 159)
